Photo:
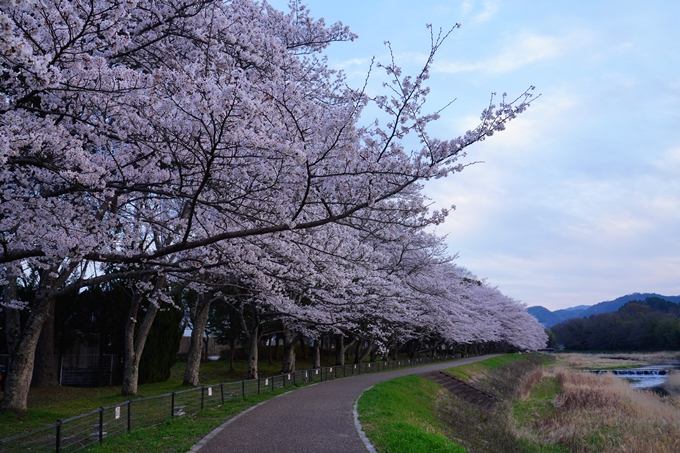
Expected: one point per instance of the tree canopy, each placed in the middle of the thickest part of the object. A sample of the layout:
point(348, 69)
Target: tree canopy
point(203, 145)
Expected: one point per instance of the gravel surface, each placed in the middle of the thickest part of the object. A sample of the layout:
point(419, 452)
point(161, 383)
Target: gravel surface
point(313, 419)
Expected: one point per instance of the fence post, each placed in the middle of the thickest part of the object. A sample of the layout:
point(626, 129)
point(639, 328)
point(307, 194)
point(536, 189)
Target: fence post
point(172, 404)
point(293, 377)
point(222, 391)
point(258, 386)
point(129, 416)
point(101, 425)
point(202, 396)
point(243, 389)
point(272, 383)
point(58, 442)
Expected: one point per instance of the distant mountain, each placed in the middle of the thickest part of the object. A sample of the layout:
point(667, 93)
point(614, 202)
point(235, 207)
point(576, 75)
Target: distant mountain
point(614, 305)
point(572, 312)
point(546, 317)
point(550, 318)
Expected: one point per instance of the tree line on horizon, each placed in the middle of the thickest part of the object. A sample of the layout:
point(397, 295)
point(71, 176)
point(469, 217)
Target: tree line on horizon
point(652, 324)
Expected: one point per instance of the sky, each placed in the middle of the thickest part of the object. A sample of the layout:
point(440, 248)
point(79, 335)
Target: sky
point(578, 201)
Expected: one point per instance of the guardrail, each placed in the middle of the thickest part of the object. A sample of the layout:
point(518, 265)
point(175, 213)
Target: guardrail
point(79, 432)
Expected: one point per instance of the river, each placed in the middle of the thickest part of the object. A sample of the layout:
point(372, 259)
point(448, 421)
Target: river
point(645, 377)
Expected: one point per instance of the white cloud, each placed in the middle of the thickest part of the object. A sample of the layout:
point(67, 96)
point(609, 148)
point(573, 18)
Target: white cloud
point(522, 51)
point(352, 62)
point(490, 8)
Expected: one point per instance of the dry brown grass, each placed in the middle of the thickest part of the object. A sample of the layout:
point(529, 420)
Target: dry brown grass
point(672, 383)
point(603, 413)
point(614, 360)
point(600, 361)
point(528, 381)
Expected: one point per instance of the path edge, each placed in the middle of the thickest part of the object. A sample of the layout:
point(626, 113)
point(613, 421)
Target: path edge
point(201, 443)
point(360, 429)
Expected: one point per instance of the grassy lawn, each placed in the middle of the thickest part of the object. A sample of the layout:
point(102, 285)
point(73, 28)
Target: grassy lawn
point(399, 416)
point(474, 370)
point(180, 434)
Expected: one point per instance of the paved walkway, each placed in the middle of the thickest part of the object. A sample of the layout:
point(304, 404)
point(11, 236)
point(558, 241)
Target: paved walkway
point(313, 419)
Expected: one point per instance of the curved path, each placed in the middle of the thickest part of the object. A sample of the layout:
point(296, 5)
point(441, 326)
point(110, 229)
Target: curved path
point(313, 419)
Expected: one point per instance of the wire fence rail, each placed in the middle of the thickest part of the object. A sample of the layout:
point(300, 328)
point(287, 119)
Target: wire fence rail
point(84, 430)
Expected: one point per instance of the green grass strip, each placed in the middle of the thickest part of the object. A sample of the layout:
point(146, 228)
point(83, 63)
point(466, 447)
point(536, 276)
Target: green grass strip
point(466, 372)
point(398, 416)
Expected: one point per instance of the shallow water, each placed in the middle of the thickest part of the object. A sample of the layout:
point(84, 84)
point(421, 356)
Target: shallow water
point(646, 377)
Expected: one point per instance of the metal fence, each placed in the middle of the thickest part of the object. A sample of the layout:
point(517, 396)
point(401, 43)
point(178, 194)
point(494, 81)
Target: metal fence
point(79, 432)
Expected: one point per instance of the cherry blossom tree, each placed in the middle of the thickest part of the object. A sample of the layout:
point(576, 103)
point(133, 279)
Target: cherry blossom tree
point(142, 134)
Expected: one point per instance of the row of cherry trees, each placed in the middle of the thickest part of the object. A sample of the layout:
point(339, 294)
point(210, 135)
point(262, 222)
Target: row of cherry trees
point(205, 145)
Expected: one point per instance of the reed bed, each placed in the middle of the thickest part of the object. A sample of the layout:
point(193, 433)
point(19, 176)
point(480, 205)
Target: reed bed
point(603, 413)
point(616, 359)
point(672, 384)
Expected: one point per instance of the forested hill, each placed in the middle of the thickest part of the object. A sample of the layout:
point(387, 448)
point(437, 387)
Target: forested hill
point(647, 325)
point(550, 318)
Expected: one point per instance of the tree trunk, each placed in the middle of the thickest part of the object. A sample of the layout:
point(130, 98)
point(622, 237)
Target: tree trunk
point(317, 355)
point(232, 347)
point(134, 343)
point(303, 348)
point(44, 367)
point(21, 359)
point(341, 349)
point(252, 334)
point(357, 351)
point(12, 316)
point(411, 349)
point(366, 352)
point(23, 346)
point(288, 359)
point(270, 341)
point(253, 340)
point(198, 313)
point(395, 355)
point(374, 353)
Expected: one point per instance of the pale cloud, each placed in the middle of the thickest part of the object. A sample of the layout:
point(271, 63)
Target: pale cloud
point(489, 8)
point(352, 62)
point(466, 7)
point(522, 51)
point(669, 161)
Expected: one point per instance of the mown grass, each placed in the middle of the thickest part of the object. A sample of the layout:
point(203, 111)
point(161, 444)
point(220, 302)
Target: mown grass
point(179, 434)
point(399, 416)
point(478, 369)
